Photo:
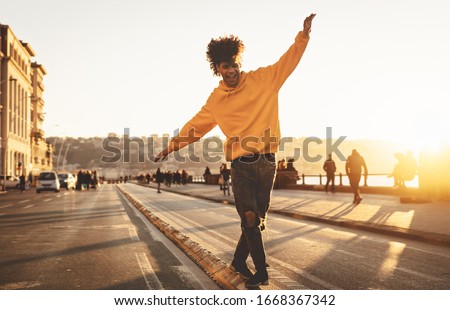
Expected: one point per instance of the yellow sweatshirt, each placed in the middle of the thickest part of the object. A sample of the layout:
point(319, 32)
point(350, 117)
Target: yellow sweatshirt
point(247, 114)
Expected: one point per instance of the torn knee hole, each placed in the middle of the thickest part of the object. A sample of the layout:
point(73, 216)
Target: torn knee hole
point(250, 219)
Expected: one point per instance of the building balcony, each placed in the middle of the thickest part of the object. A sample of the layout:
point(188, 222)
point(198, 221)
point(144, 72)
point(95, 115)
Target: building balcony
point(37, 135)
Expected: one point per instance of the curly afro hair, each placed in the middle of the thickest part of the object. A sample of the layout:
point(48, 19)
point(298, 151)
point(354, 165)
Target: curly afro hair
point(227, 48)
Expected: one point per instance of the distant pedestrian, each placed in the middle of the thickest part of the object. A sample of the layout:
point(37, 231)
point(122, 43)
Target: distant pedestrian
point(22, 182)
point(177, 178)
point(87, 179)
point(80, 177)
point(282, 165)
point(159, 178)
point(222, 166)
point(206, 174)
point(30, 178)
point(399, 171)
point(225, 173)
point(184, 177)
point(94, 179)
point(330, 167)
point(353, 168)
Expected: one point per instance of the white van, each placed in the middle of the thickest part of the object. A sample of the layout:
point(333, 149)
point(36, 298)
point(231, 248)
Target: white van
point(47, 181)
point(67, 180)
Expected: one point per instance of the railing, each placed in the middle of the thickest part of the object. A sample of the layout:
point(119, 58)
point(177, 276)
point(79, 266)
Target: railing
point(196, 179)
point(340, 180)
point(367, 181)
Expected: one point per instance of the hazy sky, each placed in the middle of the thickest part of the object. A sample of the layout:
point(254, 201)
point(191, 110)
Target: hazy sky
point(373, 69)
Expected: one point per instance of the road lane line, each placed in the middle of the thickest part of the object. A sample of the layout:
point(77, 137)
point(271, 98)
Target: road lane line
point(48, 199)
point(419, 274)
point(149, 274)
point(23, 201)
point(27, 207)
point(1, 214)
point(409, 247)
point(349, 253)
point(133, 234)
point(6, 206)
point(125, 217)
point(305, 274)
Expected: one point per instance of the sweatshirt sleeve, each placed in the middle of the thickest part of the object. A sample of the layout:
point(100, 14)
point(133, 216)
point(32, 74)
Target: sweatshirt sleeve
point(277, 73)
point(193, 130)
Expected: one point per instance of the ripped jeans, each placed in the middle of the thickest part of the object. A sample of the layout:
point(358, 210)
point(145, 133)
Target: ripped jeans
point(253, 179)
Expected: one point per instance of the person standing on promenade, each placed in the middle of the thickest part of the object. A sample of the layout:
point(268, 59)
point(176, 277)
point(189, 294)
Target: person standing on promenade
point(245, 106)
point(353, 168)
point(225, 173)
point(159, 178)
point(330, 167)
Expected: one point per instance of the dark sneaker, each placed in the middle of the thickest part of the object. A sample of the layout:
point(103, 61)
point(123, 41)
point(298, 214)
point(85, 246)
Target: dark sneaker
point(243, 270)
point(257, 280)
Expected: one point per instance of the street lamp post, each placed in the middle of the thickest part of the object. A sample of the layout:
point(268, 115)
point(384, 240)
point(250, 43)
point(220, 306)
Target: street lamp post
point(5, 132)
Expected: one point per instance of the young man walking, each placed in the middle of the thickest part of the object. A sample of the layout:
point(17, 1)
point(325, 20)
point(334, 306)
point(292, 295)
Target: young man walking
point(245, 106)
point(353, 167)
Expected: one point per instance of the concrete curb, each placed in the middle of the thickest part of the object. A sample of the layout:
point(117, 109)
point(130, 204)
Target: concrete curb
point(213, 266)
point(434, 238)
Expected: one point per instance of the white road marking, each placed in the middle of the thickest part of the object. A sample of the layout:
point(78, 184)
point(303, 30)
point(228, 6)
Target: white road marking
point(125, 217)
point(419, 274)
point(48, 199)
point(29, 206)
point(133, 234)
point(384, 242)
point(23, 201)
point(6, 206)
point(349, 253)
point(149, 274)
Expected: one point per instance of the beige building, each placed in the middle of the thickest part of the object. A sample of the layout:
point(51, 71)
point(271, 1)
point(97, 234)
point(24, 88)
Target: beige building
point(23, 148)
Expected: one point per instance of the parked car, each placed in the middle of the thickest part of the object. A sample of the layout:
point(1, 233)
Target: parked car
point(47, 181)
point(11, 181)
point(67, 180)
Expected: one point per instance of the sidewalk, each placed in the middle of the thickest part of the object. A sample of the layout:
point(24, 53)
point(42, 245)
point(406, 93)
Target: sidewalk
point(429, 222)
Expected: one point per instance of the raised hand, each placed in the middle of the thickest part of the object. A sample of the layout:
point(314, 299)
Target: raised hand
point(307, 24)
point(160, 156)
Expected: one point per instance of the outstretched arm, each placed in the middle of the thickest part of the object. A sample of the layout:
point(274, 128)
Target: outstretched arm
point(196, 128)
point(277, 73)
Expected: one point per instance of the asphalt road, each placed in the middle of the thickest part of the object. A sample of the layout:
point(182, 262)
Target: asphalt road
point(87, 240)
point(308, 255)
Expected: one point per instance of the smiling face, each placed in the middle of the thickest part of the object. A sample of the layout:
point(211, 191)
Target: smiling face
point(230, 72)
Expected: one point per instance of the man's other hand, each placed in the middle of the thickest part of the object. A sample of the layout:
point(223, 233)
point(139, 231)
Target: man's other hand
point(307, 24)
point(160, 157)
